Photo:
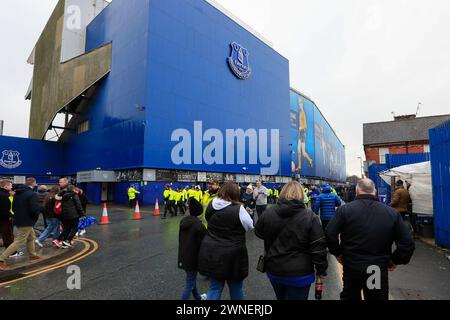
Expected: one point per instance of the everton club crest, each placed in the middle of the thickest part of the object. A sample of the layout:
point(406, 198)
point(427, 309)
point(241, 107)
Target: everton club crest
point(10, 159)
point(238, 61)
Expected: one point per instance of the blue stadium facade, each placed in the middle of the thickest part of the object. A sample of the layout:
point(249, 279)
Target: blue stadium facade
point(173, 108)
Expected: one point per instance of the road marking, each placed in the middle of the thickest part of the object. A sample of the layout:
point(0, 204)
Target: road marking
point(90, 247)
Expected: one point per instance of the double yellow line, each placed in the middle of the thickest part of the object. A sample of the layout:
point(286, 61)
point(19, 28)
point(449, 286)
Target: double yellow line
point(90, 246)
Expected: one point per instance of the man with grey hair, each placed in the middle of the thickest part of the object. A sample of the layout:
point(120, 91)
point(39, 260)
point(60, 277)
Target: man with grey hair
point(361, 235)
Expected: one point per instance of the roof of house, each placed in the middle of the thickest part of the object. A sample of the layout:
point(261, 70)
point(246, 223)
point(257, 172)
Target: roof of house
point(401, 130)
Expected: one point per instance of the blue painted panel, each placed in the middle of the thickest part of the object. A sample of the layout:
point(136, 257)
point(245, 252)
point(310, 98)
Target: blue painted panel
point(190, 80)
point(31, 157)
point(116, 136)
point(397, 160)
point(440, 171)
point(94, 192)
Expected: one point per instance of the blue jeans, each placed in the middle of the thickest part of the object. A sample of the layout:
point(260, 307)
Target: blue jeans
point(191, 286)
point(284, 292)
point(216, 288)
point(52, 226)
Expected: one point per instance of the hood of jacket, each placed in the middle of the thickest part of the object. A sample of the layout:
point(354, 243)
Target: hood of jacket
point(188, 222)
point(326, 189)
point(68, 195)
point(219, 204)
point(287, 208)
point(20, 189)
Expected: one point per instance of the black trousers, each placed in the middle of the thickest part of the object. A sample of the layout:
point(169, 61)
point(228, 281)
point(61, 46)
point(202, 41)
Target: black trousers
point(6, 229)
point(132, 203)
point(180, 205)
point(70, 228)
point(169, 206)
point(324, 224)
point(355, 281)
point(412, 219)
point(260, 210)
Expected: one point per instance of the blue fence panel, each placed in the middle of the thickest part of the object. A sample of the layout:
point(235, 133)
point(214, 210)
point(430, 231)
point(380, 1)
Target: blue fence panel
point(440, 170)
point(382, 187)
point(397, 160)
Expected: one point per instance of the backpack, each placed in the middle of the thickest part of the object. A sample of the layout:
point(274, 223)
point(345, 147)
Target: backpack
point(57, 208)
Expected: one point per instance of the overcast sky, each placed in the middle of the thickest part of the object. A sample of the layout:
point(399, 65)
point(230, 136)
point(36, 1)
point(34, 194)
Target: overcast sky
point(359, 60)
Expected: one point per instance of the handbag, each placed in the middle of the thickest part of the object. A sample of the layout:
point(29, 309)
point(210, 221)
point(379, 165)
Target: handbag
point(261, 266)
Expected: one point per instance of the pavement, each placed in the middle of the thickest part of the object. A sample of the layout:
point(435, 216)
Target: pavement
point(129, 260)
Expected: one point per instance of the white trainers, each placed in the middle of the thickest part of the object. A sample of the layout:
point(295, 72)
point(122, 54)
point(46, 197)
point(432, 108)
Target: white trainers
point(66, 245)
point(204, 296)
point(82, 232)
point(17, 254)
point(39, 243)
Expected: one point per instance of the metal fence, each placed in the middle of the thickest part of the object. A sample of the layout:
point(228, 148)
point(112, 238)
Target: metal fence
point(440, 170)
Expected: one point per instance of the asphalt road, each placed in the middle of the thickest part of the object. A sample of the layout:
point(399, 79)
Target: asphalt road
point(138, 260)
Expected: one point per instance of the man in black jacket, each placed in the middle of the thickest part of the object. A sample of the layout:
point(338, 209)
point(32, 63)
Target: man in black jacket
point(6, 224)
point(361, 235)
point(26, 213)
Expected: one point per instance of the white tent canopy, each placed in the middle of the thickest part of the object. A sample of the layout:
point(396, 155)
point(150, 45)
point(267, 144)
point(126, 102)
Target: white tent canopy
point(421, 190)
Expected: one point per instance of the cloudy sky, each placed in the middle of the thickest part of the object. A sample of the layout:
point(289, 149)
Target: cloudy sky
point(359, 60)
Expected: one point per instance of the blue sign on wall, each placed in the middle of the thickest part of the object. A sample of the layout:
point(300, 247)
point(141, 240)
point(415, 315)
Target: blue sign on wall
point(238, 61)
point(21, 156)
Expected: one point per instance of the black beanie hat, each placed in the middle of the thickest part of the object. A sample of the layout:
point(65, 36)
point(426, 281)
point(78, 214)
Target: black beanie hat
point(195, 207)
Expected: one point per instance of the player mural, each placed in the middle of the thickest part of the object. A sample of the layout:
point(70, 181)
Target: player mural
point(316, 150)
point(302, 135)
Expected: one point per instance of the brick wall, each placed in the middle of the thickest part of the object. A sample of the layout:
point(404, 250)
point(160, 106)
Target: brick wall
point(372, 154)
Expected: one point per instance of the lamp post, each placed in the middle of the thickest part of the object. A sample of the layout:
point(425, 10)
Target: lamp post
point(362, 174)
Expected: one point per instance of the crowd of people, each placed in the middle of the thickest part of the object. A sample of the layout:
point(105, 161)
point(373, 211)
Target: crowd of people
point(299, 230)
point(21, 205)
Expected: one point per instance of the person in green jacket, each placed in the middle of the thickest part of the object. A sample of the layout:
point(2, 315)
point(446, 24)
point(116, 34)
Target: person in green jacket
point(132, 196)
point(169, 201)
point(210, 194)
point(179, 201)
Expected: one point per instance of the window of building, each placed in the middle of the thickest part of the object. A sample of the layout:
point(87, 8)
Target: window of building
point(83, 127)
point(382, 152)
point(426, 148)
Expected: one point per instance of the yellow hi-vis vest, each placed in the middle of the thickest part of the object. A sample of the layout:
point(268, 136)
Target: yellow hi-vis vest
point(333, 190)
point(11, 199)
point(276, 193)
point(172, 195)
point(207, 198)
point(198, 195)
point(191, 193)
point(185, 194)
point(132, 193)
point(305, 192)
point(177, 196)
point(166, 194)
point(270, 192)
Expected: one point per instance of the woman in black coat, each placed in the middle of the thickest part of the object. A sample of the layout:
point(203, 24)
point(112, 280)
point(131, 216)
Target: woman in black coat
point(223, 254)
point(71, 213)
point(295, 245)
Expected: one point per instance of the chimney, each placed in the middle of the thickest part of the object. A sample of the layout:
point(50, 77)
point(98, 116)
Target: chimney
point(405, 117)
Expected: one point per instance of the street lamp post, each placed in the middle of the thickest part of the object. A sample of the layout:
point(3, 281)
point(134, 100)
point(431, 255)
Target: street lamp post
point(362, 174)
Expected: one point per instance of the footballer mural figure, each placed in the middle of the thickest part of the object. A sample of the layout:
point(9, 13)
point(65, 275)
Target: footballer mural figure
point(303, 126)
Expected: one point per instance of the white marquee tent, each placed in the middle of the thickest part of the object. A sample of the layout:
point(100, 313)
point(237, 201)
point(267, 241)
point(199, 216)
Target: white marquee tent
point(421, 190)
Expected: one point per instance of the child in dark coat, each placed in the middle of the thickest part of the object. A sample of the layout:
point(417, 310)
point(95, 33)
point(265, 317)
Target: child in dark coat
point(192, 232)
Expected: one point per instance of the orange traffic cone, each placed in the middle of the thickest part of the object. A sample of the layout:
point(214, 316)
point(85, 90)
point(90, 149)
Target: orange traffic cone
point(157, 208)
point(137, 213)
point(105, 218)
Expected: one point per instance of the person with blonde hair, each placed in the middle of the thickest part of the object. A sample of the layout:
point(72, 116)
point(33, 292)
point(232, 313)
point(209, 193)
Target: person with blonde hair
point(294, 244)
